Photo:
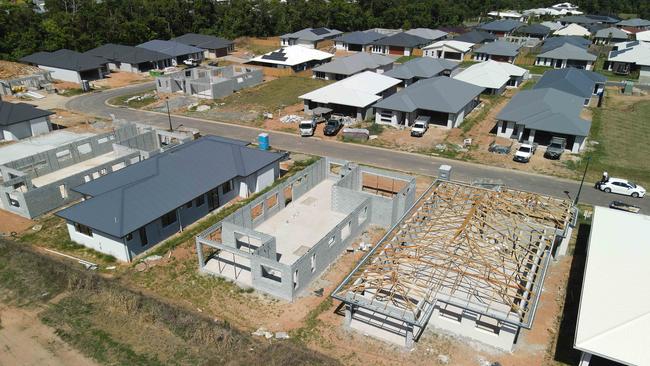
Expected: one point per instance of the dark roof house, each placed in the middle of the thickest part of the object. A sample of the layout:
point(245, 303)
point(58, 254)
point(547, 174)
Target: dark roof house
point(68, 65)
point(569, 52)
point(557, 41)
point(13, 113)
point(578, 82)
point(176, 50)
point(501, 26)
point(309, 36)
point(139, 59)
point(534, 30)
point(476, 37)
point(138, 194)
point(359, 38)
point(422, 68)
point(354, 64)
point(402, 39)
point(498, 51)
point(216, 46)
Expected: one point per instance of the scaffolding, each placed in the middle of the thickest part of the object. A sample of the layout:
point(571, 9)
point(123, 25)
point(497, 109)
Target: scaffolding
point(482, 250)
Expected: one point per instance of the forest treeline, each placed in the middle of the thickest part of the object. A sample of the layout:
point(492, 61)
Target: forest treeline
point(84, 24)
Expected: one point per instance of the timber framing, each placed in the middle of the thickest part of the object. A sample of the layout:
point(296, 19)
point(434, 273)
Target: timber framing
point(480, 250)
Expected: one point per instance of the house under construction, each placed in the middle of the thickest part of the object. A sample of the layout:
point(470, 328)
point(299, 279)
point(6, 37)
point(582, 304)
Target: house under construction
point(467, 260)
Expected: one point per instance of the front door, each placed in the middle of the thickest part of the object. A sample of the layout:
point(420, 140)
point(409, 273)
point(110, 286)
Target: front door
point(213, 199)
point(558, 64)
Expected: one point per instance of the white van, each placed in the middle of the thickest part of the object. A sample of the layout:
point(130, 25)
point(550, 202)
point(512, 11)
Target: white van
point(307, 127)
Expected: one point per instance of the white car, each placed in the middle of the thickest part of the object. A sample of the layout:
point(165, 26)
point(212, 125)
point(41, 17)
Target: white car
point(420, 126)
point(622, 186)
point(524, 153)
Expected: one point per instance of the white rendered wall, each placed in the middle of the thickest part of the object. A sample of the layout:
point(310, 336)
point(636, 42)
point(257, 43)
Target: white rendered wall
point(100, 242)
point(61, 74)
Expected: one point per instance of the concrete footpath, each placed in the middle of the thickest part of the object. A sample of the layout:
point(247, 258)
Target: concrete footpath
point(95, 104)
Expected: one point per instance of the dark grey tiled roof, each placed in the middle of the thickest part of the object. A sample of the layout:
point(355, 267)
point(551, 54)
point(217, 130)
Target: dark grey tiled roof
point(571, 80)
point(66, 60)
point(476, 36)
point(359, 37)
point(501, 25)
point(203, 41)
point(555, 42)
point(171, 48)
point(12, 113)
point(134, 196)
point(421, 67)
point(569, 52)
point(500, 48)
point(402, 40)
point(535, 29)
point(126, 54)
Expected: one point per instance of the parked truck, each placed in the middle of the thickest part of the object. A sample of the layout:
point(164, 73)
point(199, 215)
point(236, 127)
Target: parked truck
point(525, 152)
point(555, 148)
point(307, 127)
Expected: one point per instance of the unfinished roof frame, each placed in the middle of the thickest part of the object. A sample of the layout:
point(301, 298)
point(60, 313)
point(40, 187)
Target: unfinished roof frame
point(477, 249)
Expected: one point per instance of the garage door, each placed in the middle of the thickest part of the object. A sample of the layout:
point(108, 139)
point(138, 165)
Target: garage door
point(393, 50)
point(437, 118)
point(500, 58)
point(221, 52)
point(355, 47)
point(576, 64)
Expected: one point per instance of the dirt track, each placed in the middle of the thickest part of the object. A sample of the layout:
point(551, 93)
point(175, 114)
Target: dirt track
point(24, 340)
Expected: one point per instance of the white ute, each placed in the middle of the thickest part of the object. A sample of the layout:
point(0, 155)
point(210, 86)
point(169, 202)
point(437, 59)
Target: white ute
point(307, 127)
point(420, 126)
point(524, 153)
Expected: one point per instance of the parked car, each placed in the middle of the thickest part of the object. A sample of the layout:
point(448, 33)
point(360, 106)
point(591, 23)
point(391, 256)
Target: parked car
point(332, 127)
point(499, 149)
point(524, 153)
point(621, 186)
point(307, 127)
point(618, 205)
point(420, 126)
point(191, 62)
point(555, 148)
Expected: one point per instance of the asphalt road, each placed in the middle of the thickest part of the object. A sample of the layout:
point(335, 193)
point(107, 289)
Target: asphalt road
point(95, 104)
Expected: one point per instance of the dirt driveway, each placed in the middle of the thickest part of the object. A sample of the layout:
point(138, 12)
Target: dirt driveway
point(24, 341)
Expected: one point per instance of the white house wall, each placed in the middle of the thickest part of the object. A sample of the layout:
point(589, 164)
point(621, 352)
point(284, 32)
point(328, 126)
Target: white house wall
point(61, 74)
point(100, 242)
point(40, 126)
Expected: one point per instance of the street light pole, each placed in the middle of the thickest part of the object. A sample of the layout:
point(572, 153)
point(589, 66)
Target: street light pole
point(169, 116)
point(575, 203)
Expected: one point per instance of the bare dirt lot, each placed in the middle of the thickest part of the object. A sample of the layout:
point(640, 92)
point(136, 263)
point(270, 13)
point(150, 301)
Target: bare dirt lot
point(118, 79)
point(10, 222)
point(25, 341)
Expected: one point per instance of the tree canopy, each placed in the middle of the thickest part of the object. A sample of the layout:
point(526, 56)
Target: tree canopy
point(85, 24)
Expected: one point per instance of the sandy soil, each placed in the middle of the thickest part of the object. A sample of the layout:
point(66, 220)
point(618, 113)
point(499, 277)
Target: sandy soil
point(119, 79)
point(9, 70)
point(24, 341)
point(10, 222)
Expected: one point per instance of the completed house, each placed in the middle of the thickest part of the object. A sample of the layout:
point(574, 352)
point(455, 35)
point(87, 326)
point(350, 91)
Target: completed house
point(538, 31)
point(643, 36)
point(449, 49)
point(353, 96)
point(501, 28)
point(539, 114)
point(67, 65)
point(344, 67)
point(634, 25)
point(297, 58)
point(629, 56)
point(552, 43)
point(476, 37)
point(22, 120)
point(130, 59)
point(573, 30)
point(178, 52)
point(444, 100)
point(309, 37)
point(422, 68)
point(553, 26)
point(588, 85)
point(129, 211)
point(567, 55)
point(212, 46)
point(400, 44)
point(611, 35)
point(494, 76)
point(357, 41)
point(498, 51)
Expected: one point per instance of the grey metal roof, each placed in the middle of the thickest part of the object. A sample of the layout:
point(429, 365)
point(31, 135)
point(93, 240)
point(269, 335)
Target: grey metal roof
point(547, 109)
point(535, 29)
point(12, 113)
point(354, 64)
point(426, 33)
point(578, 19)
point(612, 32)
point(501, 25)
point(65, 59)
point(313, 34)
point(421, 67)
point(360, 37)
point(171, 48)
point(636, 22)
point(603, 18)
point(555, 42)
point(500, 48)
point(402, 40)
point(126, 54)
point(569, 52)
point(476, 36)
point(203, 41)
point(138, 194)
point(441, 94)
point(571, 80)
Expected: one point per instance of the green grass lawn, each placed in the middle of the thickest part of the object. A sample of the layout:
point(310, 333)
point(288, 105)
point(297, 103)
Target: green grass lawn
point(534, 69)
point(404, 59)
point(622, 131)
point(274, 94)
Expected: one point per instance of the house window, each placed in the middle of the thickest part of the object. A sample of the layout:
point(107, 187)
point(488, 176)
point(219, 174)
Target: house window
point(319, 74)
point(199, 201)
point(504, 126)
point(226, 187)
point(63, 191)
point(169, 218)
point(143, 236)
point(129, 236)
point(83, 229)
point(188, 205)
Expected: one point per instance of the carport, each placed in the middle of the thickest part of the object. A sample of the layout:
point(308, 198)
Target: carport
point(437, 118)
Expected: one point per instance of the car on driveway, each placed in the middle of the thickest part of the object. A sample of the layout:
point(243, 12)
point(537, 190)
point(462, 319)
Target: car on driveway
point(332, 127)
point(555, 148)
point(420, 126)
point(524, 153)
point(622, 186)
